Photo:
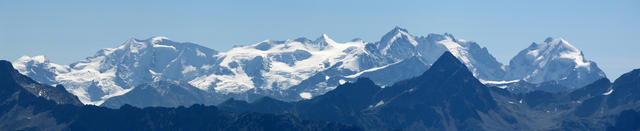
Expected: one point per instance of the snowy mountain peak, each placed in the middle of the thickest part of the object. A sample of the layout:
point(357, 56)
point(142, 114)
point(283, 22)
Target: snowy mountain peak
point(394, 34)
point(323, 42)
point(396, 30)
point(557, 42)
point(115, 71)
point(35, 59)
point(26, 61)
point(39, 67)
point(398, 42)
point(559, 49)
point(554, 59)
point(324, 38)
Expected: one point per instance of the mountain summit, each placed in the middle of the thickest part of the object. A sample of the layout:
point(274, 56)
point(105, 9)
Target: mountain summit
point(554, 60)
point(446, 93)
point(115, 71)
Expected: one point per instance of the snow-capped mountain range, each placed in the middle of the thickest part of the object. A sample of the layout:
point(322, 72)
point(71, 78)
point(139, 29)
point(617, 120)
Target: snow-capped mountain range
point(114, 71)
point(298, 68)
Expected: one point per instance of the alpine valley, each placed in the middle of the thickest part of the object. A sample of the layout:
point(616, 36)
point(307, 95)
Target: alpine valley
point(161, 72)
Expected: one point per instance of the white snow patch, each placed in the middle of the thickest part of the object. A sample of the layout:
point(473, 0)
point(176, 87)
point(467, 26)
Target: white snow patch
point(158, 39)
point(498, 82)
point(38, 59)
point(341, 81)
point(104, 98)
point(203, 82)
point(380, 103)
point(608, 92)
point(577, 58)
point(206, 67)
point(188, 69)
point(163, 46)
point(108, 51)
point(305, 95)
point(135, 46)
point(199, 53)
point(155, 75)
point(370, 70)
point(533, 53)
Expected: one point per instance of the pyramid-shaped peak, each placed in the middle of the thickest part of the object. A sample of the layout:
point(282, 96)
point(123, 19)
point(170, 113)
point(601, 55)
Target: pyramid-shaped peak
point(325, 36)
point(323, 40)
point(447, 62)
point(395, 31)
point(398, 29)
point(448, 57)
point(397, 34)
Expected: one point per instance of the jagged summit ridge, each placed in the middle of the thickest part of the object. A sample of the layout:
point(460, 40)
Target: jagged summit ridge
point(280, 69)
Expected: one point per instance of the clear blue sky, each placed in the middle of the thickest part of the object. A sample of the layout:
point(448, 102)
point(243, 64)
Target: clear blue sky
point(606, 31)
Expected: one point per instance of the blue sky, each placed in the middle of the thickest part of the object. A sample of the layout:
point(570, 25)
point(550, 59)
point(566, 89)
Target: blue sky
point(606, 31)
